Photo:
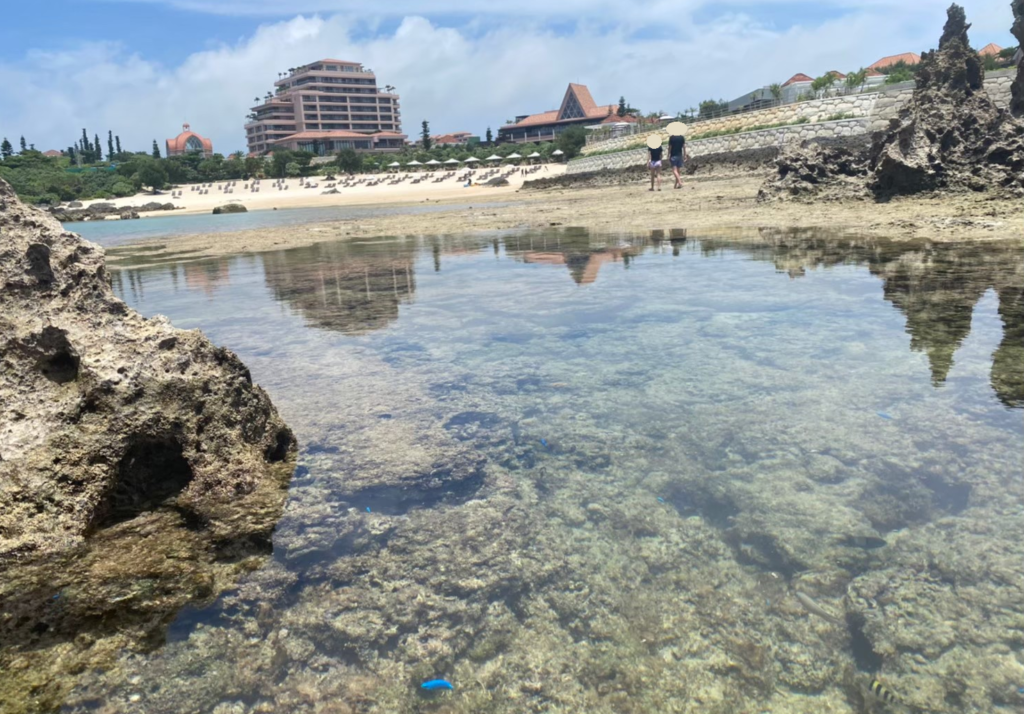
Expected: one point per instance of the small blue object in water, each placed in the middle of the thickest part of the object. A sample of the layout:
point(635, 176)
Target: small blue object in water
point(660, 499)
point(1020, 690)
point(368, 510)
point(884, 415)
point(435, 684)
point(544, 443)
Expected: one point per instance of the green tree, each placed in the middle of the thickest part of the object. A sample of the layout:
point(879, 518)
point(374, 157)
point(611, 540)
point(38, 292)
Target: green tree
point(292, 168)
point(253, 166)
point(156, 150)
point(855, 80)
point(279, 163)
point(571, 141)
point(349, 161)
point(425, 136)
point(97, 147)
point(6, 150)
point(821, 85)
point(24, 148)
point(71, 154)
point(490, 136)
point(117, 143)
point(622, 107)
point(776, 91)
point(110, 145)
point(711, 108)
point(153, 174)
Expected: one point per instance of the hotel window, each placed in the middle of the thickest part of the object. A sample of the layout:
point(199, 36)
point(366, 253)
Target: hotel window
point(573, 110)
point(332, 68)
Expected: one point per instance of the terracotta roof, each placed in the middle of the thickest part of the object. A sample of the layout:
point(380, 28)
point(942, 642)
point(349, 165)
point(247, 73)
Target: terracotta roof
point(614, 118)
point(389, 134)
point(908, 57)
point(52, 152)
point(178, 143)
point(798, 77)
point(873, 73)
point(542, 118)
point(591, 111)
point(991, 49)
point(837, 75)
point(583, 97)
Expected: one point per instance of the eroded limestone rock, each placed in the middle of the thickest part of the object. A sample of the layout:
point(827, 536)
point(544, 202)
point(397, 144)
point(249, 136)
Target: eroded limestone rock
point(106, 414)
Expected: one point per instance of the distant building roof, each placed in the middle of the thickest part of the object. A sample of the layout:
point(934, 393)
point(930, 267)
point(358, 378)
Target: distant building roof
point(798, 77)
point(873, 73)
point(456, 137)
point(577, 104)
point(907, 57)
point(837, 75)
point(180, 143)
point(52, 153)
point(614, 118)
point(991, 49)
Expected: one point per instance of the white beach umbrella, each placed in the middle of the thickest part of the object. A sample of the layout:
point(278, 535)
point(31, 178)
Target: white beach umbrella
point(452, 161)
point(534, 155)
point(557, 152)
point(393, 164)
point(433, 162)
point(414, 163)
point(513, 156)
point(493, 157)
point(471, 160)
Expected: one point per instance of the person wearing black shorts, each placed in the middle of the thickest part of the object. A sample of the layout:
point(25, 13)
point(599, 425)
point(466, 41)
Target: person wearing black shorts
point(655, 166)
point(677, 154)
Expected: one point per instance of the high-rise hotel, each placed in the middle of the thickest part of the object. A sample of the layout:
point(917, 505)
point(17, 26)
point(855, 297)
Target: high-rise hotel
point(324, 107)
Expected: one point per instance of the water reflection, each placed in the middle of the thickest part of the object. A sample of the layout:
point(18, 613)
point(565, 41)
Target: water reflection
point(358, 287)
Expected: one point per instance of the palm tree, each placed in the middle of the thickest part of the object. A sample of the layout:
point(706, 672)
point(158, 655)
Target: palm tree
point(776, 91)
point(856, 80)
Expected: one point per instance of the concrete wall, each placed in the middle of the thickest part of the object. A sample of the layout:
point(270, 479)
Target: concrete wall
point(879, 107)
point(764, 138)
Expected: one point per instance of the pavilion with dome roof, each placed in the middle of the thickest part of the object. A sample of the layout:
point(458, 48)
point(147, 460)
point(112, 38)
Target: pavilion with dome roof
point(189, 142)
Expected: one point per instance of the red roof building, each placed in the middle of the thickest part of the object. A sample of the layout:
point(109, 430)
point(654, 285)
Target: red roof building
point(906, 57)
point(458, 138)
point(797, 78)
point(52, 153)
point(990, 50)
point(189, 142)
point(577, 109)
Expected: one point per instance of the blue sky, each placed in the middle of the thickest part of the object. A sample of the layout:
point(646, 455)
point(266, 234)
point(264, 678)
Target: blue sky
point(142, 67)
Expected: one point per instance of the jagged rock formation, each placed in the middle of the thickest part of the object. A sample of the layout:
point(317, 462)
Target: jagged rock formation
point(108, 415)
point(1017, 88)
point(949, 136)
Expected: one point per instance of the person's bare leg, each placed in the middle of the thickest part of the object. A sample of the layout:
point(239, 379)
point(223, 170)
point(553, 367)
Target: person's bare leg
point(653, 174)
point(675, 172)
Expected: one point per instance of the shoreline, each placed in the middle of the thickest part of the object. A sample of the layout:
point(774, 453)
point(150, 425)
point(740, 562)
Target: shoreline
point(720, 205)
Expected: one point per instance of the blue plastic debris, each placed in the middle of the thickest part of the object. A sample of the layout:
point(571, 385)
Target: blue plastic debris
point(435, 684)
point(368, 510)
point(544, 443)
point(1020, 690)
point(660, 499)
point(884, 415)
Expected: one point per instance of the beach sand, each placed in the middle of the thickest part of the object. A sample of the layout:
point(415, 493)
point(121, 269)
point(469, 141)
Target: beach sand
point(718, 205)
point(295, 196)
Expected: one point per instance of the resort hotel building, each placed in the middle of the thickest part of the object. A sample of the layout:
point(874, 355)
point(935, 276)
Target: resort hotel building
point(577, 109)
point(324, 107)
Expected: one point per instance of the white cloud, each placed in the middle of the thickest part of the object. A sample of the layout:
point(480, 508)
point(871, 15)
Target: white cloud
point(469, 76)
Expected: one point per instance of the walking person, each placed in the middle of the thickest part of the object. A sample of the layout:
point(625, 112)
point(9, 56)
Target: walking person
point(654, 164)
point(677, 155)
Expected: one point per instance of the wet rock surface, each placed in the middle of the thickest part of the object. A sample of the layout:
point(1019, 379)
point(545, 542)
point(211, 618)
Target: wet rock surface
point(101, 211)
point(1017, 87)
point(230, 208)
point(950, 136)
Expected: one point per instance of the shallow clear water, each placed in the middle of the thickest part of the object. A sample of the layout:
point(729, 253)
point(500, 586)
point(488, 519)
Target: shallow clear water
point(572, 472)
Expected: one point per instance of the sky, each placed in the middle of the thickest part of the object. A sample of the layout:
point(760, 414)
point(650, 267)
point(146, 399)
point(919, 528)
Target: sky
point(141, 68)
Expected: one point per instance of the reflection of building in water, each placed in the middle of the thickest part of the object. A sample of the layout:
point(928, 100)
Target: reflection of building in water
point(207, 275)
point(346, 287)
point(935, 286)
point(571, 249)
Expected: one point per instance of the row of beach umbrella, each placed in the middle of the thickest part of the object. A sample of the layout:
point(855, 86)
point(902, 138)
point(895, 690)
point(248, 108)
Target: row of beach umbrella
point(471, 159)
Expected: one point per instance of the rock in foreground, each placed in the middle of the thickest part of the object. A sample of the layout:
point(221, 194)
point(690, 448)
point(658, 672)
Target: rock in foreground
point(108, 415)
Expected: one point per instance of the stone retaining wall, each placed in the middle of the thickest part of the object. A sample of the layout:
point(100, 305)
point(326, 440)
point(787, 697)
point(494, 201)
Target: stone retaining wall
point(822, 131)
point(879, 107)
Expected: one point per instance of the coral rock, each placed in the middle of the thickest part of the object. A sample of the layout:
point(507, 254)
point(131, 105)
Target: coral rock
point(106, 414)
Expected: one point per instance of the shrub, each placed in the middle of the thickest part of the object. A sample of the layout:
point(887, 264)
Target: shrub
point(122, 189)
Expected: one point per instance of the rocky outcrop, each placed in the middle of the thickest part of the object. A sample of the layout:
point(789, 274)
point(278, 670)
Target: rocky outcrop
point(1017, 88)
point(101, 211)
point(951, 135)
point(108, 415)
point(230, 208)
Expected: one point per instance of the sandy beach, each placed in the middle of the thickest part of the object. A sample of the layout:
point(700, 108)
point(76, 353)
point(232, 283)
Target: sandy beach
point(292, 193)
point(720, 204)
